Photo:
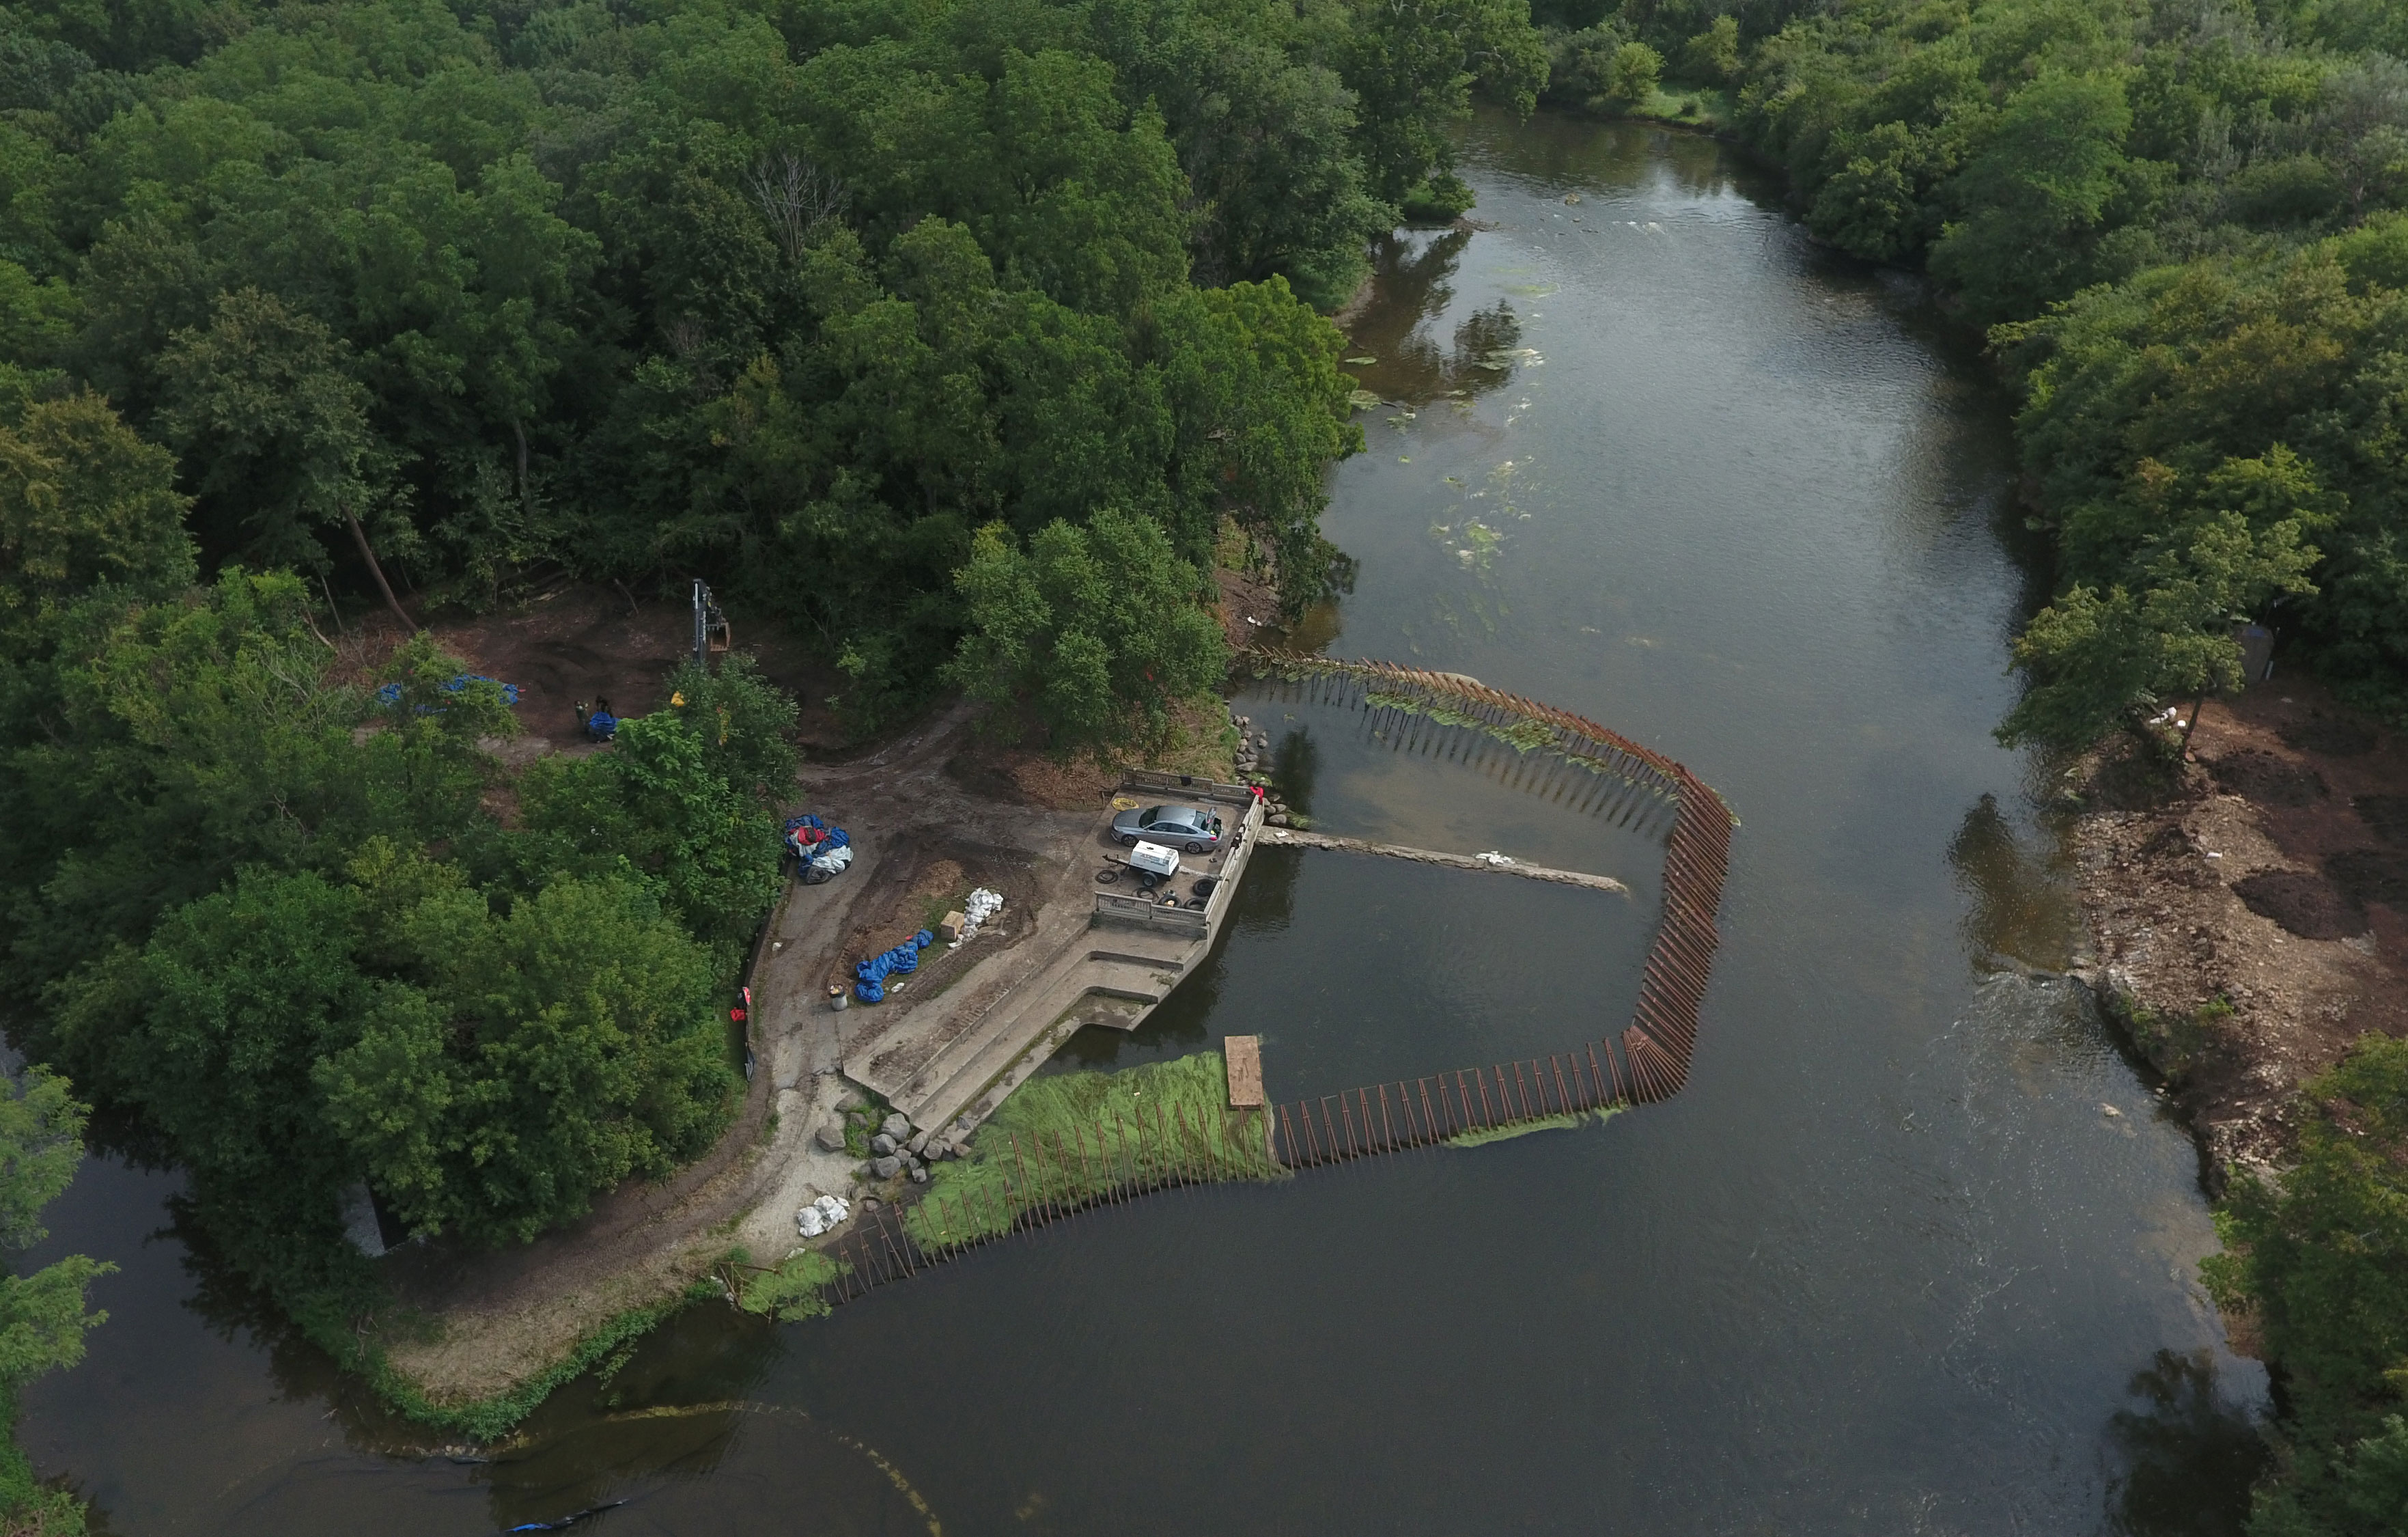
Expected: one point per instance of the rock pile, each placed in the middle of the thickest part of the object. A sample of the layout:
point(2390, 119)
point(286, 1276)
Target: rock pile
point(898, 1149)
point(1253, 749)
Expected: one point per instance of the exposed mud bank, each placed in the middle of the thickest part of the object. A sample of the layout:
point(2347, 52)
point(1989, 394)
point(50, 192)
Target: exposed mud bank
point(2248, 907)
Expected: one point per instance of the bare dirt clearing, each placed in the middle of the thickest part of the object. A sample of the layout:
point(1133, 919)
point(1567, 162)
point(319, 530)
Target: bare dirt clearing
point(580, 643)
point(2250, 913)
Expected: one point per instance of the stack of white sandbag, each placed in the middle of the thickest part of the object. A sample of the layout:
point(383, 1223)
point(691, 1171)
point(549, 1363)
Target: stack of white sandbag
point(983, 904)
point(822, 1216)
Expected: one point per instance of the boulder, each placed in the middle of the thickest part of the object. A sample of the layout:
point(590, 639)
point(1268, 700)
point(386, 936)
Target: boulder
point(897, 1125)
point(915, 1143)
point(919, 1175)
point(830, 1135)
point(963, 1126)
point(882, 1145)
point(885, 1168)
point(850, 1099)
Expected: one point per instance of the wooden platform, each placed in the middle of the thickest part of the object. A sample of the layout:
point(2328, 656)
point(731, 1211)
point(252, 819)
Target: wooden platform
point(1297, 837)
point(1244, 1055)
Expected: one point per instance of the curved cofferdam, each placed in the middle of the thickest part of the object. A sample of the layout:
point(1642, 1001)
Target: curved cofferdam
point(1137, 1149)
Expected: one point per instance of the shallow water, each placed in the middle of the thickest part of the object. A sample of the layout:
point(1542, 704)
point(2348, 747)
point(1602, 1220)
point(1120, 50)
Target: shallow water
point(1886, 1265)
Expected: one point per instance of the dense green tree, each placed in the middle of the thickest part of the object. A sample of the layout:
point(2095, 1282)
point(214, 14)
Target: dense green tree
point(1713, 53)
point(683, 803)
point(262, 407)
point(2035, 198)
point(211, 1029)
point(1632, 76)
point(172, 743)
point(1414, 65)
point(42, 1315)
point(84, 501)
point(2317, 1255)
point(1085, 628)
point(549, 1054)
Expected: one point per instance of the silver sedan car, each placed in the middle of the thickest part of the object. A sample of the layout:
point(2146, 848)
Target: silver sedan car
point(1190, 829)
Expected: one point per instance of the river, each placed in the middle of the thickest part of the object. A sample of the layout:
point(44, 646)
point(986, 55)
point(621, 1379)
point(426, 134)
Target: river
point(1914, 1251)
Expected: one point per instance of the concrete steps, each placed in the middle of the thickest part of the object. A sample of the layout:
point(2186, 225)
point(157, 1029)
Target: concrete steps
point(955, 1076)
point(1032, 1008)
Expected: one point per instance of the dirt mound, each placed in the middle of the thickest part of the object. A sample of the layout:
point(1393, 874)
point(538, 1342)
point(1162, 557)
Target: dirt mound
point(2303, 902)
point(2266, 778)
point(2387, 815)
point(2333, 736)
point(2371, 875)
point(2133, 775)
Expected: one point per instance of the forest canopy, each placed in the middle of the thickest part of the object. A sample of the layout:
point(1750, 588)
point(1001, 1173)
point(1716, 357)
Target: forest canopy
point(796, 296)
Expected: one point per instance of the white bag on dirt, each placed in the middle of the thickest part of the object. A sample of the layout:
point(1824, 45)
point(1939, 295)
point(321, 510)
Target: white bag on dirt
point(981, 905)
point(834, 862)
point(822, 1215)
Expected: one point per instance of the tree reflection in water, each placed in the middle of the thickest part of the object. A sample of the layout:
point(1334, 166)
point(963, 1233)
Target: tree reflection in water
point(2187, 1458)
point(2022, 910)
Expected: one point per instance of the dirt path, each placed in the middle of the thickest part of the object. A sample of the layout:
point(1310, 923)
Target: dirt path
point(2250, 912)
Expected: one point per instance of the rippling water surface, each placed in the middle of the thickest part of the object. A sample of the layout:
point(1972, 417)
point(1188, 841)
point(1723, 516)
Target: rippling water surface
point(1887, 1265)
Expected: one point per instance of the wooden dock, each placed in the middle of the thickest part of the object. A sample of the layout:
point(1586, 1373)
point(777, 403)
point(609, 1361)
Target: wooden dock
point(1293, 837)
point(1244, 1056)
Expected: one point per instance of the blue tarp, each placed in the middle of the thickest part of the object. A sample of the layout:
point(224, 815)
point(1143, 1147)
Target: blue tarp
point(391, 693)
point(873, 972)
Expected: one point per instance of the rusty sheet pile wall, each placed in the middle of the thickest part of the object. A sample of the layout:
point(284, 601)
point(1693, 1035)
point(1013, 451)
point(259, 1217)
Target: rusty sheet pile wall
point(1646, 1061)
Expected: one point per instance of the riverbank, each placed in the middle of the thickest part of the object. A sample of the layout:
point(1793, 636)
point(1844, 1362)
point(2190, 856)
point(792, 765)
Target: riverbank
point(2248, 908)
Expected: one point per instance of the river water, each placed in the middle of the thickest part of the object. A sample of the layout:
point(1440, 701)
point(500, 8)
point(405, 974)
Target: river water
point(1914, 1251)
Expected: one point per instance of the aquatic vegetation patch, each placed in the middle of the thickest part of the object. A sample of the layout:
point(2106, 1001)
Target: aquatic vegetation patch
point(1522, 734)
point(789, 1292)
point(1570, 1121)
point(1066, 1139)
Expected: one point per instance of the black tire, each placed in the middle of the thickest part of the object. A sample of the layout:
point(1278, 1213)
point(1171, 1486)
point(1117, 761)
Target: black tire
point(1195, 847)
point(1126, 840)
point(1106, 876)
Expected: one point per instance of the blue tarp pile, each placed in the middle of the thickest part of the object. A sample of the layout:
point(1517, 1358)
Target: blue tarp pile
point(874, 971)
point(391, 693)
point(807, 834)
